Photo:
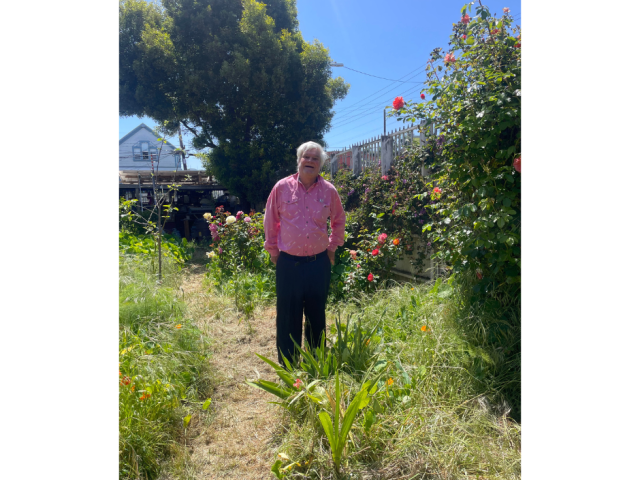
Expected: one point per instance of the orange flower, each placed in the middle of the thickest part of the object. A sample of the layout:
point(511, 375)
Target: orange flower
point(423, 328)
point(179, 325)
point(367, 342)
point(133, 387)
point(145, 396)
point(125, 380)
point(390, 381)
point(396, 241)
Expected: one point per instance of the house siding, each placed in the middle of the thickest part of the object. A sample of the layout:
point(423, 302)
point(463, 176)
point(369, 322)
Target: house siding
point(127, 162)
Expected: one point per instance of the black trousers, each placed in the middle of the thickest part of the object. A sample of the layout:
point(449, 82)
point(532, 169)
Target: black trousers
point(302, 284)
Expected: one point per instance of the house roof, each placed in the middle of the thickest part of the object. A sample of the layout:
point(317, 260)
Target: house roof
point(142, 125)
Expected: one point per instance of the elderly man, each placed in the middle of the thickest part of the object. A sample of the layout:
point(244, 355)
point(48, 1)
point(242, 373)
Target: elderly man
point(295, 228)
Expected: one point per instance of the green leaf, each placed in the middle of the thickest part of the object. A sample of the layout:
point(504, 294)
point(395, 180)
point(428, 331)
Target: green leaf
point(325, 421)
point(369, 419)
point(281, 372)
point(206, 404)
point(186, 420)
point(501, 222)
point(506, 202)
point(272, 388)
point(275, 469)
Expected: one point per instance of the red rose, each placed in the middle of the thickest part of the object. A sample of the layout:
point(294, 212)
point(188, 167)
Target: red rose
point(516, 164)
point(494, 31)
point(517, 45)
point(370, 277)
point(466, 19)
point(398, 103)
point(375, 252)
point(437, 190)
point(464, 37)
point(422, 96)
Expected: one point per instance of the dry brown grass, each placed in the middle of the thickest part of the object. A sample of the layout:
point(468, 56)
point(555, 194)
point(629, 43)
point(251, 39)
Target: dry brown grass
point(233, 441)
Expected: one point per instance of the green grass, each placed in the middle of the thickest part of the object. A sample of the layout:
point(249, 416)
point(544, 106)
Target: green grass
point(164, 370)
point(446, 414)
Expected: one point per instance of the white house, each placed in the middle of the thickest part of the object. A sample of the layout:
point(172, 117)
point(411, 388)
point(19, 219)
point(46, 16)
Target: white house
point(140, 147)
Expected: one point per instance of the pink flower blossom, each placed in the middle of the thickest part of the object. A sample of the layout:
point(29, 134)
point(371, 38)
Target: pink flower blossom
point(375, 252)
point(297, 383)
point(466, 19)
point(239, 214)
point(385, 177)
point(464, 37)
point(382, 238)
point(449, 58)
point(247, 219)
point(358, 266)
point(422, 96)
point(370, 277)
point(437, 191)
point(516, 164)
point(505, 10)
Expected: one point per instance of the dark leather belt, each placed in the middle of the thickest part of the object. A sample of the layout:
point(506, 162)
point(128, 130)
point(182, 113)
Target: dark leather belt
point(307, 259)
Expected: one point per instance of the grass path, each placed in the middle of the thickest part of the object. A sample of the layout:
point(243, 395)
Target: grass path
point(235, 441)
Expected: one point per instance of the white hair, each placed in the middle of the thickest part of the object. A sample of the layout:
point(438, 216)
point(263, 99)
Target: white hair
point(309, 146)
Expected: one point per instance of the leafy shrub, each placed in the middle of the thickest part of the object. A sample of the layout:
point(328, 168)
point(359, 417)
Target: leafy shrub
point(173, 249)
point(475, 109)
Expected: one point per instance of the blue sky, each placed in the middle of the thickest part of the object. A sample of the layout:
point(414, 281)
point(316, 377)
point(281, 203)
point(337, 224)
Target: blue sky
point(386, 39)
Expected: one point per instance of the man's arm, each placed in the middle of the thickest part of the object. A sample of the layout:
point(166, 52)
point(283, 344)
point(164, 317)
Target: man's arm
point(338, 221)
point(272, 225)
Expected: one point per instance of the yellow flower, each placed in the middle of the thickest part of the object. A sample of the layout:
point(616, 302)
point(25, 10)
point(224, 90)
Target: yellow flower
point(211, 254)
point(179, 325)
point(423, 328)
point(411, 288)
point(390, 381)
point(207, 216)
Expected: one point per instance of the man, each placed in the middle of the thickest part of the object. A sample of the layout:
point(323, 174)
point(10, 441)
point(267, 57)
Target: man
point(295, 228)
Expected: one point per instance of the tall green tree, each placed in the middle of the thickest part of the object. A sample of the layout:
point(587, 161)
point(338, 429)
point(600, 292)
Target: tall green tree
point(237, 74)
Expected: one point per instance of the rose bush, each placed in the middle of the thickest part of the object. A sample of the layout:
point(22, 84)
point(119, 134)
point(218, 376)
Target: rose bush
point(475, 108)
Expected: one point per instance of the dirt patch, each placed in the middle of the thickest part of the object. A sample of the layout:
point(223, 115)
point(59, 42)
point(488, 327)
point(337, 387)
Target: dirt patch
point(233, 442)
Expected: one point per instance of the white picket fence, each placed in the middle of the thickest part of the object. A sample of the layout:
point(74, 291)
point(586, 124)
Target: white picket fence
point(379, 153)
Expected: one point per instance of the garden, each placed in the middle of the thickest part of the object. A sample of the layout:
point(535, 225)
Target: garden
point(417, 379)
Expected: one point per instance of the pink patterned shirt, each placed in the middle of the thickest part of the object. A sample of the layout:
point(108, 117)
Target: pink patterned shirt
point(295, 219)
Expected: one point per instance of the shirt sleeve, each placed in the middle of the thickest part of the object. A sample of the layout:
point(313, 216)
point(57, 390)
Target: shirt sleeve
point(272, 223)
point(338, 221)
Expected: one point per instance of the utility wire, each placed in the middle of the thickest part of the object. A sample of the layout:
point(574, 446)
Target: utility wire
point(422, 66)
point(375, 76)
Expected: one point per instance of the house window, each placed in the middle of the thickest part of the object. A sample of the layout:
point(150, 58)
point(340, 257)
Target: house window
point(144, 151)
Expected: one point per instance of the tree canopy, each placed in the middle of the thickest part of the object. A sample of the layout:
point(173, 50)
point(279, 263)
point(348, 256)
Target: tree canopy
point(237, 74)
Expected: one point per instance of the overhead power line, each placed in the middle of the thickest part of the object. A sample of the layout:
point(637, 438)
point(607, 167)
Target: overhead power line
point(382, 78)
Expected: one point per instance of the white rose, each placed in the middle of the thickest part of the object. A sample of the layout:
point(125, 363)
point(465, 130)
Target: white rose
point(231, 219)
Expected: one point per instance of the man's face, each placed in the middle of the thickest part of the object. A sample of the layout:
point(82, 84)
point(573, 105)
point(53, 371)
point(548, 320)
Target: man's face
point(309, 162)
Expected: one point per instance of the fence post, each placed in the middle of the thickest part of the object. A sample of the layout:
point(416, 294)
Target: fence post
point(356, 160)
point(334, 165)
point(386, 153)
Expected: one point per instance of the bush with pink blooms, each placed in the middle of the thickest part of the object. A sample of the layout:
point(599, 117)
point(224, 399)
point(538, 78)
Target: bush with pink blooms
point(474, 106)
point(236, 245)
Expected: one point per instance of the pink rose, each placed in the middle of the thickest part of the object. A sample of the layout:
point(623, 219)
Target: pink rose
point(516, 164)
point(449, 58)
point(464, 37)
point(382, 238)
point(466, 19)
point(385, 177)
point(247, 219)
point(370, 277)
point(297, 383)
point(505, 10)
